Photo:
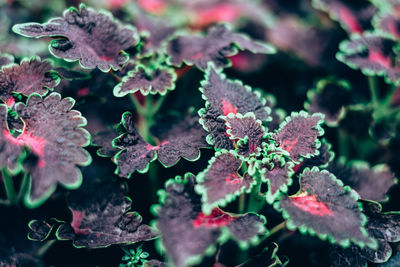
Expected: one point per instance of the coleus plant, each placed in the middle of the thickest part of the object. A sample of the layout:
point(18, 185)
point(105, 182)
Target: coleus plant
point(240, 163)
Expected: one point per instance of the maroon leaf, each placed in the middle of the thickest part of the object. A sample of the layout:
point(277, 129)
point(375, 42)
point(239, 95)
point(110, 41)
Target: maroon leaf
point(39, 230)
point(177, 138)
point(219, 43)
point(222, 97)
point(155, 33)
point(104, 140)
point(146, 81)
point(246, 131)
point(372, 54)
point(277, 173)
point(54, 134)
point(187, 232)
point(9, 152)
point(298, 135)
point(388, 22)
point(370, 183)
point(330, 98)
point(384, 226)
point(94, 38)
point(322, 160)
point(353, 18)
point(101, 217)
point(325, 208)
point(31, 76)
point(6, 59)
point(221, 183)
point(136, 153)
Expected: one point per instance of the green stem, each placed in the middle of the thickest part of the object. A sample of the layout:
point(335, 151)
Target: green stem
point(46, 246)
point(9, 186)
point(277, 228)
point(373, 88)
point(24, 186)
point(136, 103)
point(158, 104)
point(256, 201)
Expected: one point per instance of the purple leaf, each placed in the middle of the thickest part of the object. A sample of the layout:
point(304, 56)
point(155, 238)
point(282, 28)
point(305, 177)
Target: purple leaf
point(104, 140)
point(388, 22)
point(94, 38)
point(329, 98)
point(31, 76)
point(246, 131)
point(177, 138)
point(219, 43)
point(325, 208)
point(352, 18)
point(39, 230)
point(101, 217)
point(221, 183)
point(298, 135)
point(136, 153)
point(277, 175)
point(384, 226)
point(146, 81)
point(225, 96)
point(370, 183)
point(372, 54)
point(322, 160)
point(187, 233)
point(54, 134)
point(277, 114)
point(6, 59)
point(154, 31)
point(9, 152)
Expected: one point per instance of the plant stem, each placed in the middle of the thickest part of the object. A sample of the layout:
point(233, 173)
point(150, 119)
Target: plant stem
point(373, 88)
point(9, 186)
point(46, 246)
point(277, 228)
point(242, 202)
point(158, 104)
point(24, 186)
point(256, 201)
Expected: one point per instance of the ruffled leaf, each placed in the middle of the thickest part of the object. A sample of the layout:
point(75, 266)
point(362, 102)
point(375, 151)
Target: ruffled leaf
point(94, 38)
point(388, 21)
point(31, 76)
point(135, 153)
point(104, 140)
point(101, 217)
point(370, 183)
point(322, 160)
point(298, 135)
point(325, 208)
point(222, 97)
point(6, 59)
point(9, 152)
point(219, 43)
point(221, 183)
point(146, 81)
point(247, 132)
point(384, 226)
point(329, 98)
point(177, 138)
point(39, 230)
point(277, 175)
point(155, 32)
point(187, 233)
point(352, 18)
point(54, 134)
point(372, 54)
